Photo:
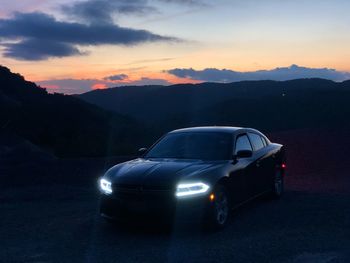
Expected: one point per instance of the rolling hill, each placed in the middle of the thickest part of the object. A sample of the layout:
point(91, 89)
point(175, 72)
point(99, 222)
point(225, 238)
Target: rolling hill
point(266, 105)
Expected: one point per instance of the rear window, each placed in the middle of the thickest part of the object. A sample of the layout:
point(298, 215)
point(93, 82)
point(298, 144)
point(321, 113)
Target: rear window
point(256, 141)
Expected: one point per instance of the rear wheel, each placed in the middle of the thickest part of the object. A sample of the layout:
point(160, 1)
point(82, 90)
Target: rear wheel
point(278, 185)
point(220, 208)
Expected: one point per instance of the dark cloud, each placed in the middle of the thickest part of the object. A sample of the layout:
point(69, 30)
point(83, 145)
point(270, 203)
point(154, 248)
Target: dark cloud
point(47, 37)
point(101, 11)
point(284, 73)
point(39, 36)
point(28, 49)
point(117, 77)
point(44, 27)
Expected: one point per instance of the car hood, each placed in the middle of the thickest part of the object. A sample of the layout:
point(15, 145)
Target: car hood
point(158, 172)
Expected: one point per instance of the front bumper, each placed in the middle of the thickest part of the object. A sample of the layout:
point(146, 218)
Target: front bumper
point(150, 206)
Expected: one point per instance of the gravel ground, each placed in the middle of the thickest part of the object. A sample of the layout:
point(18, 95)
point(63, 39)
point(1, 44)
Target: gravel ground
point(60, 223)
point(55, 219)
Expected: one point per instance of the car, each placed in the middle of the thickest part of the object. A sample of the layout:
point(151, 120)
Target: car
point(200, 172)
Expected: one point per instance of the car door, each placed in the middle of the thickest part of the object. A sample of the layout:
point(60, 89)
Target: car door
point(261, 163)
point(269, 165)
point(243, 172)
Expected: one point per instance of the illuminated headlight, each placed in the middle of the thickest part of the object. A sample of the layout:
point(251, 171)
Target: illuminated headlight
point(191, 189)
point(106, 186)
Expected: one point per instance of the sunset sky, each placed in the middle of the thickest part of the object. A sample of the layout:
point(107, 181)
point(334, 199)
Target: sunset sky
point(74, 46)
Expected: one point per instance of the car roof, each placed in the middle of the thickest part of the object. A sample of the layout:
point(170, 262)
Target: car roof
point(227, 129)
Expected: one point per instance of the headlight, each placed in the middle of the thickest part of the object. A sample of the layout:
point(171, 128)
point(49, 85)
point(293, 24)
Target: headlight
point(106, 186)
point(191, 189)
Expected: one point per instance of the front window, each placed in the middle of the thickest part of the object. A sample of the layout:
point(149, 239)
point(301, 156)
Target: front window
point(243, 144)
point(193, 145)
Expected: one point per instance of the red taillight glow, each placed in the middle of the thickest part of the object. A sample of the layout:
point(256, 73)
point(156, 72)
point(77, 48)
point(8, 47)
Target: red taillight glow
point(283, 166)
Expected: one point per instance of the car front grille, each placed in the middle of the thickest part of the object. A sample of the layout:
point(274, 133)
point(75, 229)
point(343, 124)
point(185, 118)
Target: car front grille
point(141, 192)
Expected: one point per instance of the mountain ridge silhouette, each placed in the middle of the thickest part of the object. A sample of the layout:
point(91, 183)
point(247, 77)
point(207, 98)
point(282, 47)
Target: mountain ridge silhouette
point(268, 105)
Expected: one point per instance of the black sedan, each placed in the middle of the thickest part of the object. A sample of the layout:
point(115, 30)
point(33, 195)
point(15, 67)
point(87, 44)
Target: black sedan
point(201, 172)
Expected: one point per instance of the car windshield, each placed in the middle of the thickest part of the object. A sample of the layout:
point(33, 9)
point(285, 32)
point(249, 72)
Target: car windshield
point(193, 145)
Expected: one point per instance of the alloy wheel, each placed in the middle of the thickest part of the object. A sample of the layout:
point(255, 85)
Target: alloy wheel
point(221, 208)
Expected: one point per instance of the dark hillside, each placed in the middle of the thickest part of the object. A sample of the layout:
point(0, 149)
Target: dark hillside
point(63, 125)
point(267, 105)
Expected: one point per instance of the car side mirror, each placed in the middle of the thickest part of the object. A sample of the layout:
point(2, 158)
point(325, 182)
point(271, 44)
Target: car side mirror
point(142, 151)
point(244, 154)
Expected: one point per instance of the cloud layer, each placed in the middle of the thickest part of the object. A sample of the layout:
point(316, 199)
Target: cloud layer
point(36, 49)
point(102, 11)
point(283, 73)
point(116, 77)
point(38, 36)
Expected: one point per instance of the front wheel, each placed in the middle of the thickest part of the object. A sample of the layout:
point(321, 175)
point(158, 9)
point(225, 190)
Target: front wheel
point(278, 185)
point(219, 210)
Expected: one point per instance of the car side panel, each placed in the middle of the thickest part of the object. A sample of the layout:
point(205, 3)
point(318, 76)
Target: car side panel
point(274, 159)
point(262, 169)
point(262, 175)
point(239, 178)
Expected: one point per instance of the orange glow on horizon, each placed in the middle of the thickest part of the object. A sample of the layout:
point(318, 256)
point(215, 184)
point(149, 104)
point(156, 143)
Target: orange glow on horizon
point(51, 87)
point(99, 86)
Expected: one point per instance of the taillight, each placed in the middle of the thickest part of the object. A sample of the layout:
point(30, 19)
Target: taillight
point(283, 166)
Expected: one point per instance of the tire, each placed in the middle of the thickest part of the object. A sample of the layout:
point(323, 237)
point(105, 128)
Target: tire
point(278, 185)
point(219, 210)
